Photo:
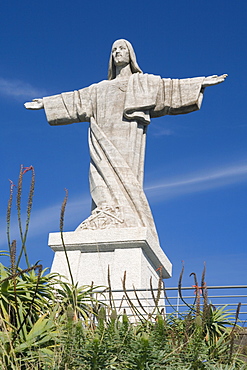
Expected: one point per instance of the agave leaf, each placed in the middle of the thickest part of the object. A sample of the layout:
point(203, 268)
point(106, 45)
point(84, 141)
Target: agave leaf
point(38, 328)
point(40, 333)
point(3, 272)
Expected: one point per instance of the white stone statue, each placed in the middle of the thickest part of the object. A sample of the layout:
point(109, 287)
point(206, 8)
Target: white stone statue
point(119, 111)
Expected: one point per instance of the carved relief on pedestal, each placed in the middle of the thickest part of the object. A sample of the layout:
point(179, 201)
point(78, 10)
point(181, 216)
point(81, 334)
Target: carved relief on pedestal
point(103, 218)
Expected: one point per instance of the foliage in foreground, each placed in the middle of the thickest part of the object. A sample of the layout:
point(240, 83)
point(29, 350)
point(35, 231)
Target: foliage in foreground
point(50, 326)
point(163, 344)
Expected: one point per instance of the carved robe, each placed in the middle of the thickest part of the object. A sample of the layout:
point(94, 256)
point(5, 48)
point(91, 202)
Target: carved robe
point(119, 112)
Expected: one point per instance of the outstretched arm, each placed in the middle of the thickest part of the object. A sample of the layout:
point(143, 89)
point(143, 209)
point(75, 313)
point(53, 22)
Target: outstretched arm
point(65, 108)
point(213, 80)
point(35, 104)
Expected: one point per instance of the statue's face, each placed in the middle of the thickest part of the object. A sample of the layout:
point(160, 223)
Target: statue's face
point(120, 53)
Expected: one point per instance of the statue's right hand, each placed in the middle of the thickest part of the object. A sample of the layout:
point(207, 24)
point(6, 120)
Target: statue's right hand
point(34, 104)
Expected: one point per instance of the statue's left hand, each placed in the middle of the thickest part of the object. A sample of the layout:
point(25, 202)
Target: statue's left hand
point(213, 80)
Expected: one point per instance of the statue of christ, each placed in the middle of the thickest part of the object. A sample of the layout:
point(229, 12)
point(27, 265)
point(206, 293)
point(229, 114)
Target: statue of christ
point(119, 111)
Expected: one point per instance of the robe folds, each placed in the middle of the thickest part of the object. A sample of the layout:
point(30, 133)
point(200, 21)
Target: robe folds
point(119, 112)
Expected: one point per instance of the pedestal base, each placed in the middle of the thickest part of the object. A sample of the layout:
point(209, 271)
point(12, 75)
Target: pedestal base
point(91, 252)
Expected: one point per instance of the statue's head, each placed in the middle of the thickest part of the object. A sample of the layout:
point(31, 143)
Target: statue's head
point(126, 55)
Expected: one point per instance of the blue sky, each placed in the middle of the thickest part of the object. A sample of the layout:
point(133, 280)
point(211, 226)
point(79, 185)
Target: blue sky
point(196, 164)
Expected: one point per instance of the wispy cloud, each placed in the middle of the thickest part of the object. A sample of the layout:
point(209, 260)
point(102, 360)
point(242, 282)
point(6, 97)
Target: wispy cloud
point(46, 220)
point(160, 130)
point(19, 89)
point(163, 132)
point(197, 182)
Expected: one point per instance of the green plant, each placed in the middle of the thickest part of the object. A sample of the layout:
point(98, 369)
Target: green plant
point(34, 305)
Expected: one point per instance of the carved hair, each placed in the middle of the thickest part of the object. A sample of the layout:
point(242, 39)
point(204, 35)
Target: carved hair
point(133, 63)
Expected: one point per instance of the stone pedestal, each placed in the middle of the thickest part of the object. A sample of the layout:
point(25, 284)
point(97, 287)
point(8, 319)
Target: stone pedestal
point(90, 252)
